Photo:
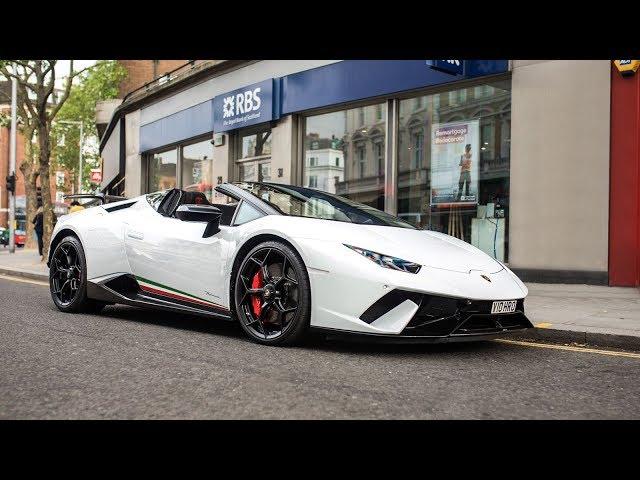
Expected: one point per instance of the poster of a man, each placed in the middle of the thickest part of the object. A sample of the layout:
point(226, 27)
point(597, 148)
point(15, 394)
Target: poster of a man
point(454, 163)
point(465, 171)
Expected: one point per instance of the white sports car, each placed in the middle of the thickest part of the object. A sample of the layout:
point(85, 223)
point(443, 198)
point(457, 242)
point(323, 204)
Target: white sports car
point(281, 259)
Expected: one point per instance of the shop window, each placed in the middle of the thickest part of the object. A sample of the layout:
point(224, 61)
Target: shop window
point(453, 164)
point(350, 153)
point(162, 169)
point(197, 168)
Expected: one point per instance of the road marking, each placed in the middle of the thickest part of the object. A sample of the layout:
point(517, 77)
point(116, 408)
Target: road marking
point(24, 280)
point(569, 348)
point(543, 325)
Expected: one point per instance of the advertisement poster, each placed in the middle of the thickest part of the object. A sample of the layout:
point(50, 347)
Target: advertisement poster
point(454, 163)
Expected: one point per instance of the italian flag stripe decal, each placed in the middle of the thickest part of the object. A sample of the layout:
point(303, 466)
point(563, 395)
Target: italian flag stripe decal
point(159, 289)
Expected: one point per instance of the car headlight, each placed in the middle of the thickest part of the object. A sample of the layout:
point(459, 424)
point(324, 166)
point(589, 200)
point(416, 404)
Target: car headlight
point(386, 261)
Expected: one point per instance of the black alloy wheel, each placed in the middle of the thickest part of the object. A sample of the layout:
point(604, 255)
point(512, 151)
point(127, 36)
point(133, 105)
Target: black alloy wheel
point(272, 295)
point(68, 278)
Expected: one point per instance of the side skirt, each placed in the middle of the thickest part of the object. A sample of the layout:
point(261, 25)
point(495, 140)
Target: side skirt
point(126, 290)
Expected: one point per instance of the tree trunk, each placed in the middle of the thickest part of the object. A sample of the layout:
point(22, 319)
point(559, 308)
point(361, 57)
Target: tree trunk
point(31, 192)
point(30, 172)
point(45, 186)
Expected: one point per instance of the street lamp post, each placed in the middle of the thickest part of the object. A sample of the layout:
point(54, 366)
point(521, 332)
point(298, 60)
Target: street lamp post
point(78, 122)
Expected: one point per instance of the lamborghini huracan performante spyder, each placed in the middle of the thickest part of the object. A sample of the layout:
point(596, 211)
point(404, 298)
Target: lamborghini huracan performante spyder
point(281, 259)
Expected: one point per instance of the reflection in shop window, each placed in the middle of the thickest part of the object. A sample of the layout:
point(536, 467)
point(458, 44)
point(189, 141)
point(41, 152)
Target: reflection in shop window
point(350, 153)
point(256, 145)
point(162, 170)
point(197, 168)
point(454, 178)
point(378, 152)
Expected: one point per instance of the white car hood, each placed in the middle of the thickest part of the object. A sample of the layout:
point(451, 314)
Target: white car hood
point(435, 250)
point(425, 247)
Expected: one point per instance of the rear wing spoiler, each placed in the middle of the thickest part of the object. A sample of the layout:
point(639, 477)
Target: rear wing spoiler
point(95, 198)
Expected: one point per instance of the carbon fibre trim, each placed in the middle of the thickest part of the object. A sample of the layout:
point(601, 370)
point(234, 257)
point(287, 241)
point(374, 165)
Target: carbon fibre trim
point(126, 290)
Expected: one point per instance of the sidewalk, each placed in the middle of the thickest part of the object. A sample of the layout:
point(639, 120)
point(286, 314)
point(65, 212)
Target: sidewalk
point(583, 314)
point(24, 263)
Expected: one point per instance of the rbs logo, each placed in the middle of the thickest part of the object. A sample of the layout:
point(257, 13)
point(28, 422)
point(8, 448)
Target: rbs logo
point(245, 102)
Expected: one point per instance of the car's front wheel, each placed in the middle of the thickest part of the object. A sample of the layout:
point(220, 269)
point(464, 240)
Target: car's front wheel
point(272, 294)
point(68, 278)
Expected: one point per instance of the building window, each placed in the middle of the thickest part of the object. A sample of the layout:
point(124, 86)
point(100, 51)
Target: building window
point(313, 181)
point(162, 170)
point(453, 165)
point(378, 153)
point(197, 168)
point(313, 161)
point(417, 149)
point(337, 136)
point(378, 112)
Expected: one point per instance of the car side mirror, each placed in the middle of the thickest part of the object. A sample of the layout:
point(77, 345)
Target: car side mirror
point(201, 213)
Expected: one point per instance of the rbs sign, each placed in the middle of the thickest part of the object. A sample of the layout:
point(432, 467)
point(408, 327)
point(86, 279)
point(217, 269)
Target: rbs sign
point(243, 107)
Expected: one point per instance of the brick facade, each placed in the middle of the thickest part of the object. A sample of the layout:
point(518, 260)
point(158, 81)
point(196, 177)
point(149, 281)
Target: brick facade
point(143, 71)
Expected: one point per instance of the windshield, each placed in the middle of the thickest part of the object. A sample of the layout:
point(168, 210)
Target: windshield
point(307, 202)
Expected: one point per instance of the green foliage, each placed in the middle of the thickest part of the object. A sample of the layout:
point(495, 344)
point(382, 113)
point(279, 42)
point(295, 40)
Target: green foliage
point(97, 84)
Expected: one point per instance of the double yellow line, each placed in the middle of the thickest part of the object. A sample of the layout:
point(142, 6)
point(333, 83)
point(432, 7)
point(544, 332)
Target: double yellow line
point(569, 348)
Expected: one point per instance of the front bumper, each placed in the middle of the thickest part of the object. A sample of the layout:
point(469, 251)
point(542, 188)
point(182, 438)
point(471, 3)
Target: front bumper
point(447, 318)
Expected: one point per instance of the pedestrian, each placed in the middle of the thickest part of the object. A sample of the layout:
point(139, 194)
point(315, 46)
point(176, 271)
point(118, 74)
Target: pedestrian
point(38, 227)
point(75, 207)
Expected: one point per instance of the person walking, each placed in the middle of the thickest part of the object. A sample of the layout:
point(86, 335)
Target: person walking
point(38, 227)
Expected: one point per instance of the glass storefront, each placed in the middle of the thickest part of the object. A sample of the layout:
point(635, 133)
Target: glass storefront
point(344, 153)
point(452, 163)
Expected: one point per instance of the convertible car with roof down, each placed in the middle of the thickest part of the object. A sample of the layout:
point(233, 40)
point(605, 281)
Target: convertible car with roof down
point(280, 260)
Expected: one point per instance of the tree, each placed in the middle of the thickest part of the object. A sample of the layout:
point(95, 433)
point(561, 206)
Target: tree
point(99, 83)
point(39, 106)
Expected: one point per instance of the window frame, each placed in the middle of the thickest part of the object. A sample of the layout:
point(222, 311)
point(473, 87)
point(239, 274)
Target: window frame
point(178, 147)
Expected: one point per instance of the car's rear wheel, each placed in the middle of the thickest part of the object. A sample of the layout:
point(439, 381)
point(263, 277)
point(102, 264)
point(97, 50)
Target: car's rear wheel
point(68, 278)
point(272, 295)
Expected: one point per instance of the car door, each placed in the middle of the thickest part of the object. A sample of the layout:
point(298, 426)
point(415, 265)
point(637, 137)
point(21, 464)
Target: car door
point(172, 261)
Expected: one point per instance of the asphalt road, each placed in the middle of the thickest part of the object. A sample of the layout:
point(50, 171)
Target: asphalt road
point(128, 363)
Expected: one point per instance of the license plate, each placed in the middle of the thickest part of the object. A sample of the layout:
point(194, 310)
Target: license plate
point(506, 306)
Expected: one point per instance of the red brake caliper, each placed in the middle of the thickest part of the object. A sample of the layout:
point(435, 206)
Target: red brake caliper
point(257, 282)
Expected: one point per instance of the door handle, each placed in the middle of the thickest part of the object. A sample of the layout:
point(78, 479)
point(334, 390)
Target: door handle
point(135, 234)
